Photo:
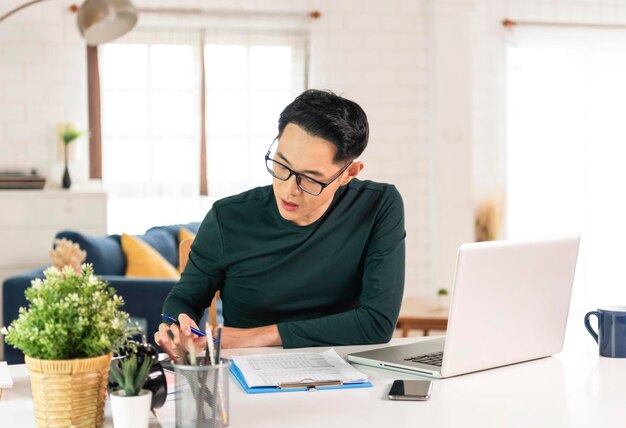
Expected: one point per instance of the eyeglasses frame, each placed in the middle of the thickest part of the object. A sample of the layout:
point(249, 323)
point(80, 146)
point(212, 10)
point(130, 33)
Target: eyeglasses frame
point(300, 175)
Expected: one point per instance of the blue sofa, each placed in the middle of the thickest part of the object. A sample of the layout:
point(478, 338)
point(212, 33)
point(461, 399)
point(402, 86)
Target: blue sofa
point(143, 297)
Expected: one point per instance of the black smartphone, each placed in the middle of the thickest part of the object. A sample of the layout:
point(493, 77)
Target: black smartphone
point(410, 390)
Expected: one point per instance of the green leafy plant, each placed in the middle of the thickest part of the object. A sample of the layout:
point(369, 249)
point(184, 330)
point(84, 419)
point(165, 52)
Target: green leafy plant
point(70, 315)
point(70, 133)
point(442, 292)
point(129, 374)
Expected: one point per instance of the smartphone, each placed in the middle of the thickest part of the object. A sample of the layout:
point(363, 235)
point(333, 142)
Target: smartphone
point(410, 390)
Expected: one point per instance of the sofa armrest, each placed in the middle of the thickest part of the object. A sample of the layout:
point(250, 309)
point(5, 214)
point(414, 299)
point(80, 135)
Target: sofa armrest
point(13, 298)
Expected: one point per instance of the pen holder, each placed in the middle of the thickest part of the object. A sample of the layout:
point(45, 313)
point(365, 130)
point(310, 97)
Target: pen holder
point(202, 395)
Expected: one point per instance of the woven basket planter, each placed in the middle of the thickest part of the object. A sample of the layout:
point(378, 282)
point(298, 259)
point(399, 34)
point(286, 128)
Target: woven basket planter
point(69, 393)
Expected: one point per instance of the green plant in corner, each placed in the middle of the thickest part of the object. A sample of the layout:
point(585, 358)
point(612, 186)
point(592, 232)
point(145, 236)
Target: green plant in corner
point(442, 292)
point(71, 315)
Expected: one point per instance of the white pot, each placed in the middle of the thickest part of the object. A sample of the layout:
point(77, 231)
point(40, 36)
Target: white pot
point(443, 302)
point(131, 412)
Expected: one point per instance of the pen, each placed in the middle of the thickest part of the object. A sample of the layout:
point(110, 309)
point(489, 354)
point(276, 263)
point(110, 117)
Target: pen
point(193, 330)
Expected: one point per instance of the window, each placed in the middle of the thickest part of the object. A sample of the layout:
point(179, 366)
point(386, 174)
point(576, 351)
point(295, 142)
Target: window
point(565, 149)
point(150, 132)
point(249, 80)
point(151, 118)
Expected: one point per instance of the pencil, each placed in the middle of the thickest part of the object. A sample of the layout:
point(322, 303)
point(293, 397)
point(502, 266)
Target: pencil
point(210, 344)
point(219, 345)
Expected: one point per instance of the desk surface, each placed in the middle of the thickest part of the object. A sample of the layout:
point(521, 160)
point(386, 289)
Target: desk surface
point(573, 389)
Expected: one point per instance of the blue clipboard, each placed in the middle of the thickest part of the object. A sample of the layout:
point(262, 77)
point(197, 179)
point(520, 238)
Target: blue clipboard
point(234, 370)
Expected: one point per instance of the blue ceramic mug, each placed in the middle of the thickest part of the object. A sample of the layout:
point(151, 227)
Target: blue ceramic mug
point(611, 336)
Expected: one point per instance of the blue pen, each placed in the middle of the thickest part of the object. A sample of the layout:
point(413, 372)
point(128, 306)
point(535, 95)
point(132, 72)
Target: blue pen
point(193, 330)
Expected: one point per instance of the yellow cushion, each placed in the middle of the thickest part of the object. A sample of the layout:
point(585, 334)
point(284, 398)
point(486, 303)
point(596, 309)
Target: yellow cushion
point(143, 261)
point(184, 234)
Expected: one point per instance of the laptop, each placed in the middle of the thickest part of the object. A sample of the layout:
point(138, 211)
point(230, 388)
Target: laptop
point(509, 304)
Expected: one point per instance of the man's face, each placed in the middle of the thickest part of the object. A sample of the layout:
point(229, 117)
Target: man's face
point(312, 156)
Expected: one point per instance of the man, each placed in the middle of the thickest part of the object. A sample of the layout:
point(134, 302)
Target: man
point(315, 259)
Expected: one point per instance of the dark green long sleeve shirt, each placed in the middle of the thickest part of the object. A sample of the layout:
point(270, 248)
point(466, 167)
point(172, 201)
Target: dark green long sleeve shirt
point(337, 281)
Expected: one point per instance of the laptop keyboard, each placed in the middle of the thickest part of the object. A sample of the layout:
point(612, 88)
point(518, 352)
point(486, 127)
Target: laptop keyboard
point(433, 359)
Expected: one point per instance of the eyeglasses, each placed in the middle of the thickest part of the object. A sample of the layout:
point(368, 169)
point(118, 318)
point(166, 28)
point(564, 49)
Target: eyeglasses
point(307, 184)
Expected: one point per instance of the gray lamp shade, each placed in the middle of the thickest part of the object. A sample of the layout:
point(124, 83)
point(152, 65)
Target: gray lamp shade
point(101, 21)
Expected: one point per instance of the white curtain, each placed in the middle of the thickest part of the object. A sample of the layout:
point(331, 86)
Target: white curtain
point(566, 149)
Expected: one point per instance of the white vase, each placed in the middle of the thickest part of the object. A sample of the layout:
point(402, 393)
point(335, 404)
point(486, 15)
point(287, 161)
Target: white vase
point(443, 301)
point(130, 412)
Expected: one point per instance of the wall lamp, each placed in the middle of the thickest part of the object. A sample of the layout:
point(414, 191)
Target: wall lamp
point(99, 21)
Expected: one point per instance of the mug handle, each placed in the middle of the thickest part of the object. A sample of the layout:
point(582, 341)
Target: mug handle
point(588, 326)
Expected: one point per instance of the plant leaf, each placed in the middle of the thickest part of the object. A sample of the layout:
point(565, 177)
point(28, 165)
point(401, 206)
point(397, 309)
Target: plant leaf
point(130, 368)
point(117, 375)
point(142, 373)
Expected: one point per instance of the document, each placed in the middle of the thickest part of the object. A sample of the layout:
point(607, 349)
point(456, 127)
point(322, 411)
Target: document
point(273, 370)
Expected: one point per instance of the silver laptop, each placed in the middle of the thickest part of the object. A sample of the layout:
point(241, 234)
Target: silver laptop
point(509, 304)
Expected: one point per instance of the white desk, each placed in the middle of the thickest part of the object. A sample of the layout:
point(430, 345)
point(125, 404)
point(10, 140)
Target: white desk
point(573, 389)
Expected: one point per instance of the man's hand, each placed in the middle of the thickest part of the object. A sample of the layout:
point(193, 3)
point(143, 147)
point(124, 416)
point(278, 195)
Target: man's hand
point(182, 336)
point(251, 337)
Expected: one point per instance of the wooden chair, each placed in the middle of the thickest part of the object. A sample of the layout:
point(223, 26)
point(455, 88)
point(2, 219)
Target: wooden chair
point(183, 256)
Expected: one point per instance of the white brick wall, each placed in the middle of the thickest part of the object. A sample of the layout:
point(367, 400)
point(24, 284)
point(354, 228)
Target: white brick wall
point(374, 52)
point(42, 81)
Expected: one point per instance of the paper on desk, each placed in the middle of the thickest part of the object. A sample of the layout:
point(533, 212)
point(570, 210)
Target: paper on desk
point(5, 376)
point(274, 369)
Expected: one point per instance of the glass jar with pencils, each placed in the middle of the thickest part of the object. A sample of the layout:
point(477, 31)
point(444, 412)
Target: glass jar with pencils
point(202, 394)
point(201, 385)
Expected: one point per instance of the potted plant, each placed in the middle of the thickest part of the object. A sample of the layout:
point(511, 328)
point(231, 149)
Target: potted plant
point(488, 219)
point(130, 403)
point(443, 298)
point(67, 333)
point(68, 134)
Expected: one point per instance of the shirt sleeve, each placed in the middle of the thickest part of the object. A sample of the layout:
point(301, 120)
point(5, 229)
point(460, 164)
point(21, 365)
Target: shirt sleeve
point(203, 274)
point(374, 318)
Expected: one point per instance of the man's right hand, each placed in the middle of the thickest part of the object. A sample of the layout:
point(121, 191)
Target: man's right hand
point(182, 336)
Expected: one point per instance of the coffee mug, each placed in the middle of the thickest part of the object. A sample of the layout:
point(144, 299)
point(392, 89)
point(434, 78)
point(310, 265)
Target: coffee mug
point(611, 335)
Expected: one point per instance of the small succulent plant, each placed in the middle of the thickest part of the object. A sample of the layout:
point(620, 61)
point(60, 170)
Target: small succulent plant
point(129, 372)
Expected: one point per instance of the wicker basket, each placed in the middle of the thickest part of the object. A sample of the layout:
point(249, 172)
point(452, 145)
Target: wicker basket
point(69, 393)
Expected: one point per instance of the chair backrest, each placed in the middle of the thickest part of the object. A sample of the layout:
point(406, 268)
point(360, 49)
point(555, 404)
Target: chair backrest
point(183, 253)
point(183, 256)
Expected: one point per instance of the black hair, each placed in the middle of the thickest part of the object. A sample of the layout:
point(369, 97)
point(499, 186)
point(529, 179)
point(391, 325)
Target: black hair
point(326, 115)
